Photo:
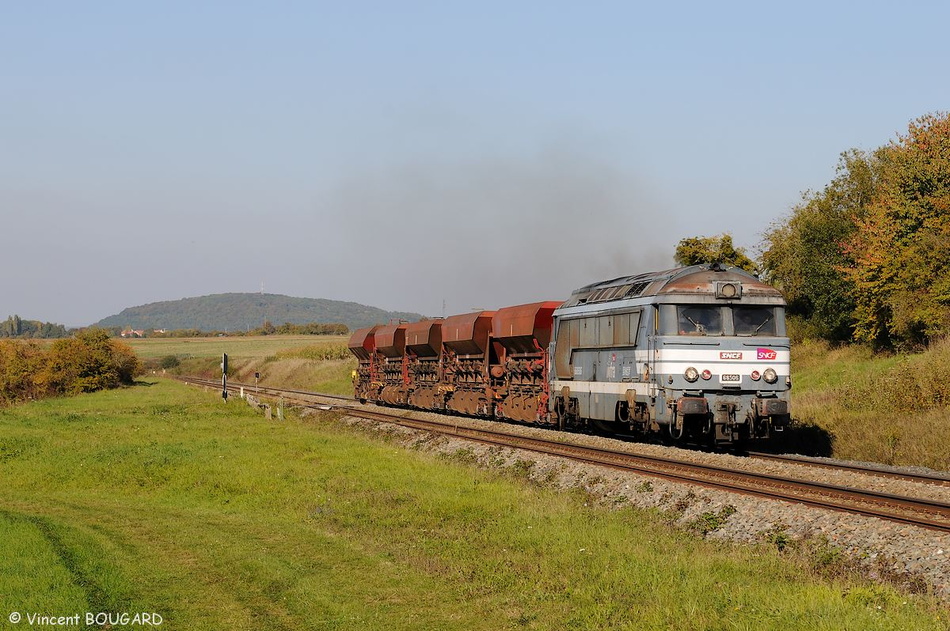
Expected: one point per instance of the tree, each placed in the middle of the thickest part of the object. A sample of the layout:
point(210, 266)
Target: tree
point(805, 255)
point(699, 250)
point(14, 326)
point(901, 247)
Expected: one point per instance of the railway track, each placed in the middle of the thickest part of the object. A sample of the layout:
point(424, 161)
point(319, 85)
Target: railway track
point(915, 511)
point(882, 472)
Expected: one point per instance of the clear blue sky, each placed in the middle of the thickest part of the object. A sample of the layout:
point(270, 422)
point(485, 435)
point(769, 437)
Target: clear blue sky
point(402, 154)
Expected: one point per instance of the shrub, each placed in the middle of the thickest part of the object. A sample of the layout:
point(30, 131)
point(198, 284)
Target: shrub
point(86, 362)
point(19, 364)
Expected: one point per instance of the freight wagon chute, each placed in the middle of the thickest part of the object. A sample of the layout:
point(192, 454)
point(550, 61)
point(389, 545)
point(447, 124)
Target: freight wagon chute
point(523, 328)
point(424, 339)
point(391, 345)
point(362, 343)
point(424, 354)
point(366, 383)
point(519, 379)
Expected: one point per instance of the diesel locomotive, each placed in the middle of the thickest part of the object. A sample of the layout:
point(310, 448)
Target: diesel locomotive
point(696, 354)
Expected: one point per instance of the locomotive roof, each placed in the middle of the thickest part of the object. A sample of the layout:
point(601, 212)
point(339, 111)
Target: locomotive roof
point(695, 279)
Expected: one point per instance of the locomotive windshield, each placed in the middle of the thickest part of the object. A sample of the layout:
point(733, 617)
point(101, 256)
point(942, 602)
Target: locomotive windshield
point(700, 320)
point(754, 320)
point(718, 320)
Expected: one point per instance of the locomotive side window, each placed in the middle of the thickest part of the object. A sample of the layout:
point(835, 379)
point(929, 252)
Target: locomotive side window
point(699, 320)
point(754, 320)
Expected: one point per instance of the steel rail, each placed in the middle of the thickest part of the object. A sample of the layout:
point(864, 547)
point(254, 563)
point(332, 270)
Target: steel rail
point(923, 478)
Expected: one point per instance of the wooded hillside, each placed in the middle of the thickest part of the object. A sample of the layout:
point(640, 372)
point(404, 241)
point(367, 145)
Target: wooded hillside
point(246, 311)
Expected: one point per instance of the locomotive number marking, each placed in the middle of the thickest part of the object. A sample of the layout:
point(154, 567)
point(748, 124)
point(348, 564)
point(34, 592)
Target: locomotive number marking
point(730, 378)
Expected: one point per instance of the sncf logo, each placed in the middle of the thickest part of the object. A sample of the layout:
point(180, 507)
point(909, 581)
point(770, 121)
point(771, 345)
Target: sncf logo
point(730, 355)
point(766, 353)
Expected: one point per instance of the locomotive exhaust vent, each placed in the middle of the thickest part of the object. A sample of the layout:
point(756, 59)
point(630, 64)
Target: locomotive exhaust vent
point(728, 289)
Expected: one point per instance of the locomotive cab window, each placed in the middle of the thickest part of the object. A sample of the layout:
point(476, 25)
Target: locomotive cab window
point(699, 320)
point(754, 320)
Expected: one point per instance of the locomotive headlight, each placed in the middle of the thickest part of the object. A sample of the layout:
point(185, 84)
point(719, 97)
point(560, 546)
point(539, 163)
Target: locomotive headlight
point(691, 374)
point(770, 376)
point(706, 375)
point(756, 375)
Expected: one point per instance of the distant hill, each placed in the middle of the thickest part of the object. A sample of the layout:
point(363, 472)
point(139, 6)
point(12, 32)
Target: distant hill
point(241, 312)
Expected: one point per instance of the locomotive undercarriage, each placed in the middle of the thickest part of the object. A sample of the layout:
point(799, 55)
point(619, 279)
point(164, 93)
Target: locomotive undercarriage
point(720, 422)
point(694, 421)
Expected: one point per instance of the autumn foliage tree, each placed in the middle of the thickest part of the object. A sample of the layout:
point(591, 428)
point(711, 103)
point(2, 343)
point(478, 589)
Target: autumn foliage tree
point(901, 248)
point(868, 257)
point(718, 249)
point(20, 363)
point(806, 254)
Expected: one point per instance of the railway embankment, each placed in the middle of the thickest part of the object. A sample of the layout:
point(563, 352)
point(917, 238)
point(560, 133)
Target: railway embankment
point(829, 541)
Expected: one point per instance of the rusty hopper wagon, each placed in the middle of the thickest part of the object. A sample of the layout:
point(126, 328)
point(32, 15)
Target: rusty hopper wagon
point(519, 378)
point(365, 380)
point(393, 365)
point(424, 357)
point(465, 360)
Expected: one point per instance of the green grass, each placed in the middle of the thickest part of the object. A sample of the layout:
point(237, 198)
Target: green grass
point(164, 499)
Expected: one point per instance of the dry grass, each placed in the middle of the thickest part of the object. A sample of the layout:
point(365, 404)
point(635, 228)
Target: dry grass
point(244, 347)
point(891, 409)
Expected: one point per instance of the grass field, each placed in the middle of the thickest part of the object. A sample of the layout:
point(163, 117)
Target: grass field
point(162, 498)
point(306, 362)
